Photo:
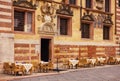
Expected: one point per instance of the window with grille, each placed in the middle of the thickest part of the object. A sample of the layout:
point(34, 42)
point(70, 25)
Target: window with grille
point(85, 29)
point(64, 25)
point(72, 2)
point(88, 4)
point(106, 32)
point(19, 20)
point(23, 21)
point(107, 5)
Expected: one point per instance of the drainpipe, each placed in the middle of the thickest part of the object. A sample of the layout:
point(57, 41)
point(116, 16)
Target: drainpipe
point(115, 17)
point(80, 13)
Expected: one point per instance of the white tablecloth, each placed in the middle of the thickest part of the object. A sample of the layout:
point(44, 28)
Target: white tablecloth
point(101, 59)
point(118, 59)
point(74, 62)
point(42, 62)
point(92, 60)
point(26, 66)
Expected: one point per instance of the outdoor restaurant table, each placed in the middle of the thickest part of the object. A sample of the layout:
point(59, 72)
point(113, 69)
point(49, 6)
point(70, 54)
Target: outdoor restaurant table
point(43, 62)
point(118, 59)
point(92, 61)
point(100, 59)
point(73, 62)
point(27, 66)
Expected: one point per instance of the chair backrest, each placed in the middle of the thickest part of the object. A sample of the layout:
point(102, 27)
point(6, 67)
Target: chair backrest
point(35, 64)
point(50, 64)
point(84, 61)
point(6, 65)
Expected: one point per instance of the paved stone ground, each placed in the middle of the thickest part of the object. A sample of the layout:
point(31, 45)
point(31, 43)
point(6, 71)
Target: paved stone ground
point(92, 74)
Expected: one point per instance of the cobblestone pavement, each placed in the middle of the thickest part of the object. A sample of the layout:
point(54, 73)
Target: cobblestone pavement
point(92, 74)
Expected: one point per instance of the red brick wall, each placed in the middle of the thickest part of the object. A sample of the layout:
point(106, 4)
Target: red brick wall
point(75, 51)
point(25, 53)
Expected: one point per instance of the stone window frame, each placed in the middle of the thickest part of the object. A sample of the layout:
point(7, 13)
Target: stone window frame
point(108, 37)
point(69, 24)
point(91, 29)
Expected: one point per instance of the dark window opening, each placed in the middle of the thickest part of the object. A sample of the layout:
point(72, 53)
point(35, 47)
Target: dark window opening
point(88, 4)
point(85, 30)
point(19, 21)
point(106, 32)
point(63, 26)
point(72, 2)
point(107, 5)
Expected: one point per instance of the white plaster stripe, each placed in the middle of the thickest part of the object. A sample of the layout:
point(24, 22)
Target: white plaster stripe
point(4, 28)
point(117, 49)
point(6, 35)
point(118, 32)
point(86, 43)
point(118, 25)
point(6, 0)
point(6, 6)
point(100, 53)
point(118, 14)
point(118, 10)
point(117, 52)
point(23, 41)
point(5, 13)
point(118, 20)
point(118, 28)
point(5, 20)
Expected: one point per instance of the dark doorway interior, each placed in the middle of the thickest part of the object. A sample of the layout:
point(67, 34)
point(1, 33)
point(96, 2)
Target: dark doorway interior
point(45, 44)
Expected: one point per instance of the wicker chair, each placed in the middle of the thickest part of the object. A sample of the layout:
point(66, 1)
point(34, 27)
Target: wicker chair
point(50, 65)
point(111, 60)
point(83, 62)
point(66, 64)
point(16, 69)
point(35, 67)
point(43, 67)
point(7, 68)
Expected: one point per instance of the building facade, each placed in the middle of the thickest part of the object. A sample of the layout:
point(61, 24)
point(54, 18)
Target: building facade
point(35, 30)
point(117, 25)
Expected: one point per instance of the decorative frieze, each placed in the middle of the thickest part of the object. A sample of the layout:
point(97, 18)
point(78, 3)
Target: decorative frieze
point(64, 9)
point(24, 4)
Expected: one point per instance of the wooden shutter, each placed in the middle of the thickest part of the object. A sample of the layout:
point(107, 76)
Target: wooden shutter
point(107, 6)
point(19, 20)
point(63, 26)
point(85, 30)
point(88, 3)
point(106, 31)
point(72, 2)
